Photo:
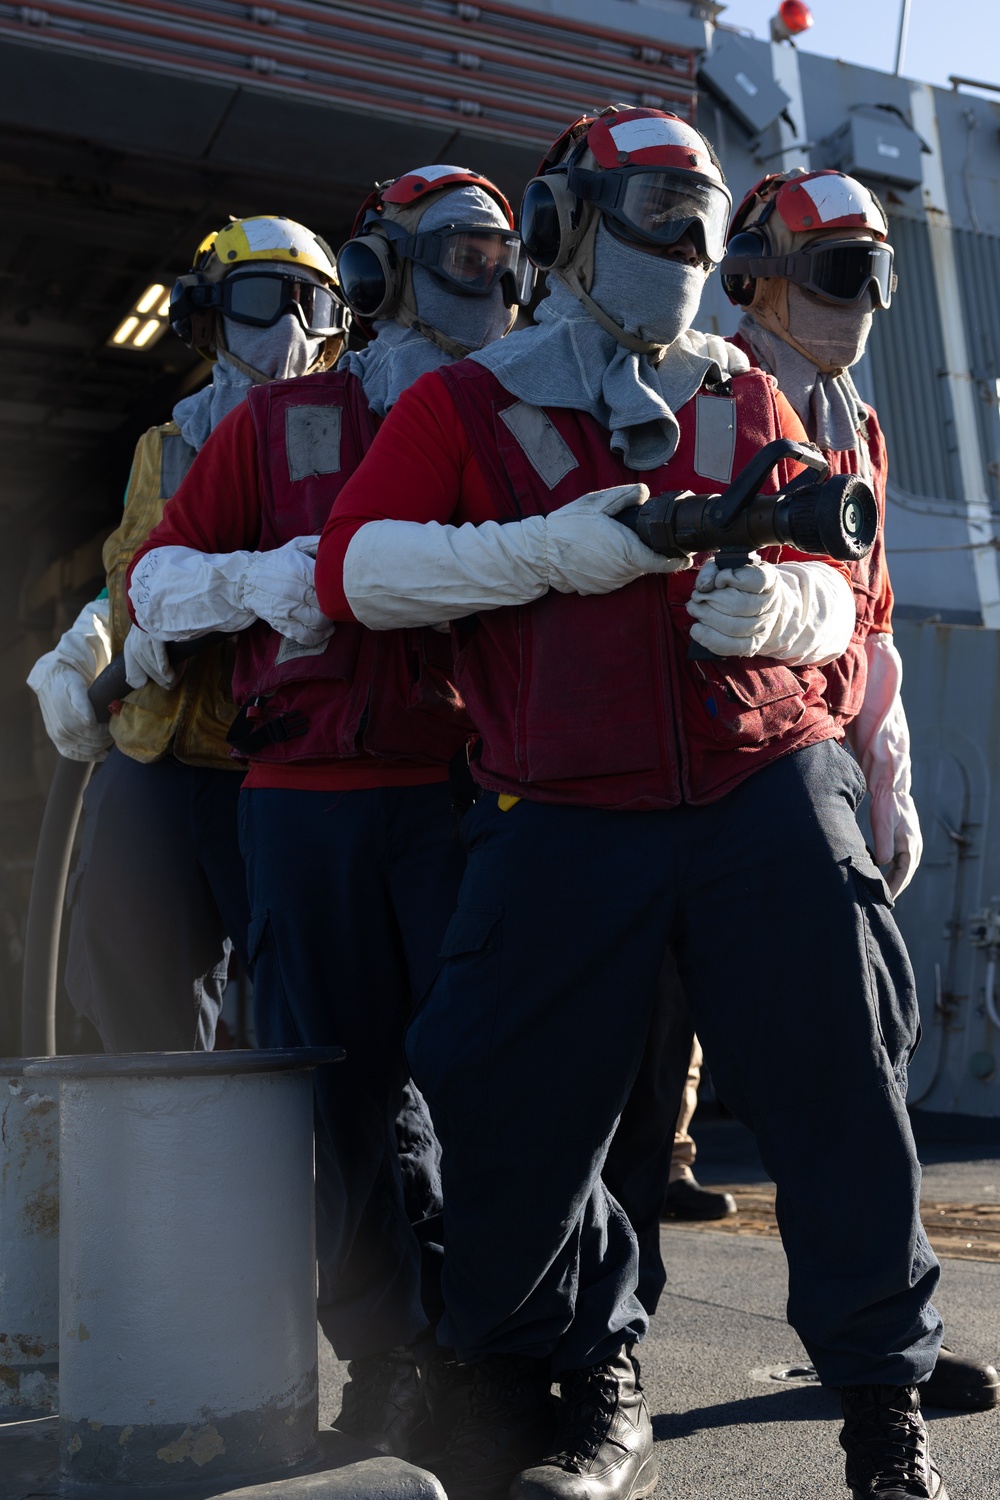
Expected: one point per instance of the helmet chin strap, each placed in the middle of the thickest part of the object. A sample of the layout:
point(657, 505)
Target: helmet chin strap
point(578, 277)
point(770, 309)
point(407, 315)
point(571, 279)
point(257, 376)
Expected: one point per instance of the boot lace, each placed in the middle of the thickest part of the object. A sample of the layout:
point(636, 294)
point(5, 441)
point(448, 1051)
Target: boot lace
point(366, 1396)
point(888, 1448)
point(500, 1396)
point(589, 1406)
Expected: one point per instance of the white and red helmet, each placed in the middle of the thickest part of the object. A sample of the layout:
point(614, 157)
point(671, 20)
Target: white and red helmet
point(413, 187)
point(471, 255)
point(650, 174)
point(787, 226)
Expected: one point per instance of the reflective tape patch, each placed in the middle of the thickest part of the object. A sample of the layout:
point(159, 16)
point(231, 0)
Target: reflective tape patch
point(278, 234)
point(715, 437)
point(841, 198)
point(291, 650)
point(640, 135)
point(431, 174)
point(176, 457)
point(312, 440)
point(549, 455)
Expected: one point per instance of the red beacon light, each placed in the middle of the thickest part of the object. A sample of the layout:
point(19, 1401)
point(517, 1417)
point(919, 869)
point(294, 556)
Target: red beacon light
point(793, 18)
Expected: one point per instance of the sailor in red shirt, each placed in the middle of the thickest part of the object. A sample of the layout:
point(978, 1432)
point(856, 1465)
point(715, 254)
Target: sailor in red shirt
point(808, 258)
point(346, 821)
point(636, 797)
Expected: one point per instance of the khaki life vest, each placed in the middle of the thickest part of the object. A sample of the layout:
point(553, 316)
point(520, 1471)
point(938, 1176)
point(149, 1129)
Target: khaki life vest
point(189, 721)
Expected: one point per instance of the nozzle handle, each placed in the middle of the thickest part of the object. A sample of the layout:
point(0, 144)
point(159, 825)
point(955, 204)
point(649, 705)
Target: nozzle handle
point(111, 685)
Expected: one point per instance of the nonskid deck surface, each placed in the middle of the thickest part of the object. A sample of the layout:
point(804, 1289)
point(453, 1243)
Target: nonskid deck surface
point(726, 1421)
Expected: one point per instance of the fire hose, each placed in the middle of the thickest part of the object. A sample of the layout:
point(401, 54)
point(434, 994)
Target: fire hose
point(52, 862)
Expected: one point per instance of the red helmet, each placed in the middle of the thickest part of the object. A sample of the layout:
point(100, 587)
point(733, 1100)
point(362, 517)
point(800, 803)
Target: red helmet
point(783, 228)
point(650, 173)
point(386, 240)
point(414, 186)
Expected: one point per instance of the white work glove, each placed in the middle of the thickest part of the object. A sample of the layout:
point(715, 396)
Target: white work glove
point(880, 738)
point(280, 587)
point(61, 678)
point(146, 659)
point(406, 573)
point(179, 594)
point(799, 613)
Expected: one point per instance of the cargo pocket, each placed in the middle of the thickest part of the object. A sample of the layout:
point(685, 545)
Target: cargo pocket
point(255, 933)
point(894, 1009)
point(450, 1038)
point(274, 1024)
point(471, 930)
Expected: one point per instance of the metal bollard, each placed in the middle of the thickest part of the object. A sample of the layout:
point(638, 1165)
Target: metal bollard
point(29, 1242)
point(187, 1337)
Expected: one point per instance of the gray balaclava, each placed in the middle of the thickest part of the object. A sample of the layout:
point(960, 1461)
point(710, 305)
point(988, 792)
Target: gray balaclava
point(279, 353)
point(568, 360)
point(807, 344)
point(826, 401)
point(398, 355)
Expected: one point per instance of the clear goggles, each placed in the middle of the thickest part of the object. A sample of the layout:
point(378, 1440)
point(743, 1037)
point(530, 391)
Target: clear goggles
point(658, 207)
point(838, 271)
point(471, 260)
point(260, 298)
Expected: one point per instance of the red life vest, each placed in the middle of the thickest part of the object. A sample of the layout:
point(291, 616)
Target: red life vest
point(387, 693)
point(593, 700)
point(847, 677)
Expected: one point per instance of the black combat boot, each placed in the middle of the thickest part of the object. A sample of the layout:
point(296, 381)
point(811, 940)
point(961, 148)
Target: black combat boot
point(382, 1403)
point(885, 1440)
point(604, 1440)
point(501, 1417)
point(961, 1384)
point(687, 1199)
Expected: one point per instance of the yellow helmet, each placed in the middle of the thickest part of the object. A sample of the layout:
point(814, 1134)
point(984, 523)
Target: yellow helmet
point(269, 237)
point(198, 300)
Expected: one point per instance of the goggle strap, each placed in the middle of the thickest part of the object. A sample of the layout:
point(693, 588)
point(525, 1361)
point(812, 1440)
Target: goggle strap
point(796, 268)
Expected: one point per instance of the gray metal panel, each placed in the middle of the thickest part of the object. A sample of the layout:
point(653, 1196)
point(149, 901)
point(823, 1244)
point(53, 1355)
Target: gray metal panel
point(951, 688)
point(740, 74)
point(877, 144)
point(978, 260)
point(967, 127)
point(907, 358)
point(931, 563)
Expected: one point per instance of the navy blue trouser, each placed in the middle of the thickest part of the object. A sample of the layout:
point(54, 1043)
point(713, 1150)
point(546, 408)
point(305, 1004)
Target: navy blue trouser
point(637, 1167)
point(351, 893)
point(528, 1044)
point(158, 893)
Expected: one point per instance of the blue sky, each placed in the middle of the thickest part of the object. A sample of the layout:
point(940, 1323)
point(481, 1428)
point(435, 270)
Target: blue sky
point(963, 37)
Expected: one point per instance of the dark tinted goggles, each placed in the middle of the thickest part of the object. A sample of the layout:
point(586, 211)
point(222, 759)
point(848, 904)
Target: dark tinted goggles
point(658, 207)
point(839, 271)
point(472, 260)
point(260, 298)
